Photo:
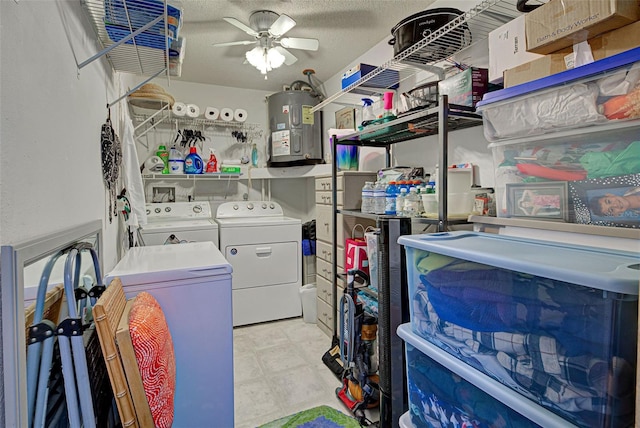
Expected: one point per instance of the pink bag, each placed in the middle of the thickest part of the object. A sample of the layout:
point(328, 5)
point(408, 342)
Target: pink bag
point(355, 253)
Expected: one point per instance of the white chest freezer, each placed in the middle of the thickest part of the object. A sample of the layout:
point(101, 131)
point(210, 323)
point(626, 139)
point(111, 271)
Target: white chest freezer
point(192, 284)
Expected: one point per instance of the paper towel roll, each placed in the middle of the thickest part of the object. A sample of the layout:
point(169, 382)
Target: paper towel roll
point(193, 110)
point(226, 114)
point(179, 109)
point(240, 115)
point(212, 113)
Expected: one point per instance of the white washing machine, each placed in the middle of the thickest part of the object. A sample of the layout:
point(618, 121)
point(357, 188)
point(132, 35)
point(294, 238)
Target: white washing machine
point(173, 222)
point(264, 248)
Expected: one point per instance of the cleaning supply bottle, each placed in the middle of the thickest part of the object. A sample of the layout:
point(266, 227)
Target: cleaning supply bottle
point(367, 112)
point(254, 155)
point(176, 161)
point(193, 162)
point(163, 154)
point(212, 165)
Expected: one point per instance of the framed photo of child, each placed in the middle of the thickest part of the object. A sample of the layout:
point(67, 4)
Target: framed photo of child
point(541, 201)
point(608, 201)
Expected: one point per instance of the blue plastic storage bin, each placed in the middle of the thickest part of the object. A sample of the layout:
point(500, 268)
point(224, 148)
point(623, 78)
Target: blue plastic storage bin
point(598, 94)
point(557, 323)
point(140, 12)
point(444, 393)
point(120, 20)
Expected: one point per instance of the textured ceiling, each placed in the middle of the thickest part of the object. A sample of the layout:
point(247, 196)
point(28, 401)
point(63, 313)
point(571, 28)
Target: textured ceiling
point(345, 29)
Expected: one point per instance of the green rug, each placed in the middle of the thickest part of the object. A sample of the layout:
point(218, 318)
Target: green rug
point(317, 417)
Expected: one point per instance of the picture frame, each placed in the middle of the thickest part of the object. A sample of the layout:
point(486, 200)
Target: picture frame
point(346, 118)
point(540, 201)
point(598, 201)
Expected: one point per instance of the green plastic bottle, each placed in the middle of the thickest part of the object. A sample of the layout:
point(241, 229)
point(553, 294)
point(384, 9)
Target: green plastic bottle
point(163, 154)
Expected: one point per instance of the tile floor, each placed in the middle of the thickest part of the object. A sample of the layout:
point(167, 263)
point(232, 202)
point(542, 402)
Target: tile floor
point(278, 371)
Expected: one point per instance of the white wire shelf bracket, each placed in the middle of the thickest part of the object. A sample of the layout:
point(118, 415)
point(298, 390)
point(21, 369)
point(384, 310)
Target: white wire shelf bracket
point(434, 52)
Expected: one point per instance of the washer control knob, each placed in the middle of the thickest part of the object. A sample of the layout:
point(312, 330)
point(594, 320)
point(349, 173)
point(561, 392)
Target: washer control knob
point(167, 209)
point(235, 207)
point(157, 210)
point(197, 209)
point(250, 206)
point(264, 206)
point(148, 212)
point(272, 206)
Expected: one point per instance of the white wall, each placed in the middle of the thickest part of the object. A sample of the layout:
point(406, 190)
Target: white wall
point(50, 120)
point(50, 167)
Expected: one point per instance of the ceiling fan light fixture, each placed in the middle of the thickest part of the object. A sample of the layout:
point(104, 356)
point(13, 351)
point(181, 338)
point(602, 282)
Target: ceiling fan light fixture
point(265, 59)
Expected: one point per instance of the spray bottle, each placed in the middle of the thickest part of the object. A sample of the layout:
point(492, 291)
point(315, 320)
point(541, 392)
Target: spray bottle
point(368, 115)
point(212, 164)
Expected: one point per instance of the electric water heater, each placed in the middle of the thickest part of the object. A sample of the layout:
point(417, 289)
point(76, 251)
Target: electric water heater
point(295, 132)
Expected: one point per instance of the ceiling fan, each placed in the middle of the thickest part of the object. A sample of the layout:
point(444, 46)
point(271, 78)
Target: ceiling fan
point(267, 29)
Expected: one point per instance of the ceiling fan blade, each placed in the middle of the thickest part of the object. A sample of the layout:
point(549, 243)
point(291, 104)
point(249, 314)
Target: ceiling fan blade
point(283, 24)
point(244, 42)
point(289, 58)
point(250, 31)
point(299, 43)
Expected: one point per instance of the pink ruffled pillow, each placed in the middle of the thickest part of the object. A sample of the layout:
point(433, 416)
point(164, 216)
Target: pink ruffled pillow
point(153, 347)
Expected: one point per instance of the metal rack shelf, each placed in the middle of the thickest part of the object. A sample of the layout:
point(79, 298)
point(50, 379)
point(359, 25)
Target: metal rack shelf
point(433, 52)
point(419, 124)
point(207, 176)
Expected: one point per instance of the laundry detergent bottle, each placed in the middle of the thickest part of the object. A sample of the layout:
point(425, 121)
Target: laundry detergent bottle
point(212, 165)
point(163, 154)
point(193, 162)
point(176, 161)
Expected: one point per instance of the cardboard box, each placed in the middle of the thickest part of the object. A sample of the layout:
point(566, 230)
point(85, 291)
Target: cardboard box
point(602, 46)
point(465, 88)
point(508, 49)
point(562, 23)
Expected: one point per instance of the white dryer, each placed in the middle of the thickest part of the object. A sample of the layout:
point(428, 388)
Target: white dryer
point(264, 248)
point(173, 222)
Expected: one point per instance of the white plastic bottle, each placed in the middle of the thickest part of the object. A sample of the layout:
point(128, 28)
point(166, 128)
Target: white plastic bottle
point(379, 197)
point(411, 203)
point(400, 201)
point(367, 197)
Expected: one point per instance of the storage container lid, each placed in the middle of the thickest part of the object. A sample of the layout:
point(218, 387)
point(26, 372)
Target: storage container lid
point(593, 69)
point(604, 269)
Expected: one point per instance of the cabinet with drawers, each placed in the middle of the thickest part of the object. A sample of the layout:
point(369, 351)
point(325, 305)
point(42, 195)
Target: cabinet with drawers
point(348, 196)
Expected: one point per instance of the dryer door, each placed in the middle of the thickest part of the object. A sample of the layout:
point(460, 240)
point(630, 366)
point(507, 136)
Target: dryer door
point(258, 265)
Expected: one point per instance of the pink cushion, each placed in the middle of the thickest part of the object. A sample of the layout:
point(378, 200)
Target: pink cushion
point(156, 360)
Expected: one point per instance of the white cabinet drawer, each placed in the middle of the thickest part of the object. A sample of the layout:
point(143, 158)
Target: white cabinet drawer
point(323, 183)
point(324, 231)
point(323, 269)
point(325, 289)
point(324, 251)
point(325, 313)
point(325, 198)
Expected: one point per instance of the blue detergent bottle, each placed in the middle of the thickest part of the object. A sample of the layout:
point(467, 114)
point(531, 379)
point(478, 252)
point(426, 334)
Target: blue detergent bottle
point(193, 162)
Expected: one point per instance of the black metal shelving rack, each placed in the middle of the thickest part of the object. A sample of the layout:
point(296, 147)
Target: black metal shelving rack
point(393, 301)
